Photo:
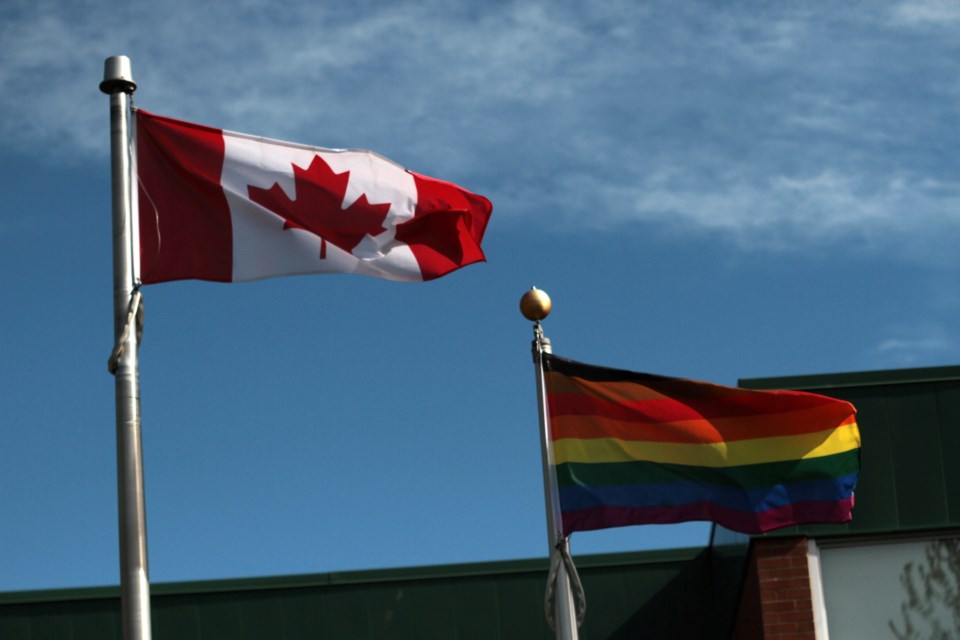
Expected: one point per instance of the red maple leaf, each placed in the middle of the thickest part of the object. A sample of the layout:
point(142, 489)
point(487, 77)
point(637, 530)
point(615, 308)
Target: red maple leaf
point(317, 207)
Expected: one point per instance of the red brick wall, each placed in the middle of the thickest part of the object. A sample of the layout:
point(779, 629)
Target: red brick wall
point(776, 601)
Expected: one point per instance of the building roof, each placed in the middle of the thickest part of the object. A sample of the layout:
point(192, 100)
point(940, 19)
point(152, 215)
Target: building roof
point(629, 595)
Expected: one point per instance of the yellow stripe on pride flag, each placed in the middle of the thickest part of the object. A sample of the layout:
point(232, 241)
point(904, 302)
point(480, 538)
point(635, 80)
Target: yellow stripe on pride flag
point(723, 454)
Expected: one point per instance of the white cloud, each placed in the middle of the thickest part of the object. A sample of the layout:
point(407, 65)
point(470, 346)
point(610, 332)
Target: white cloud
point(921, 345)
point(848, 212)
point(940, 13)
point(778, 127)
point(918, 347)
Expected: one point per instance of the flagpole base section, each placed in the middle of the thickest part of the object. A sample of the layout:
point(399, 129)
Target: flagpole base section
point(564, 603)
point(117, 76)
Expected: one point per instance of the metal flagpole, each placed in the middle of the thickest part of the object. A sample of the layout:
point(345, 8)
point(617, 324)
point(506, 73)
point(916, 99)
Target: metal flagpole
point(535, 306)
point(134, 573)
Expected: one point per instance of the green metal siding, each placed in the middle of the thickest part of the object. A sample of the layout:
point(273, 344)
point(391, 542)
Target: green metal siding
point(629, 595)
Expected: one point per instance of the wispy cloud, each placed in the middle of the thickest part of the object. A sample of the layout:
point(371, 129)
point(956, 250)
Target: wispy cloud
point(938, 13)
point(775, 128)
point(918, 347)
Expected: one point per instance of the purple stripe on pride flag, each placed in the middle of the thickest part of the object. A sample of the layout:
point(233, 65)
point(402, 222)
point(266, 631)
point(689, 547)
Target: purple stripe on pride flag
point(745, 522)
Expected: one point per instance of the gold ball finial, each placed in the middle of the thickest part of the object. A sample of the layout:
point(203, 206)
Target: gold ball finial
point(535, 305)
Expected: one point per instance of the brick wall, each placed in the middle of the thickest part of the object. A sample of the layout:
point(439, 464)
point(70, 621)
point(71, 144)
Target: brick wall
point(776, 602)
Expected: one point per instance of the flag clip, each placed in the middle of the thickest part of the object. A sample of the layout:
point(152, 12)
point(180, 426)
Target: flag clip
point(134, 315)
point(563, 555)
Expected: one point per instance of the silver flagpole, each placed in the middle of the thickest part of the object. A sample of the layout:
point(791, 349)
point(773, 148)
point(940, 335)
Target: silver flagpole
point(134, 573)
point(535, 306)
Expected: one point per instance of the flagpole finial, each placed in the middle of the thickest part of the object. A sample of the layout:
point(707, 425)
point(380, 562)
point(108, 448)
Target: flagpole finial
point(117, 75)
point(535, 305)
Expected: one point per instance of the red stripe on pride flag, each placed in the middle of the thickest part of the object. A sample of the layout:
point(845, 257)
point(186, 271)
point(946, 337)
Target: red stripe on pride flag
point(179, 166)
point(693, 432)
point(574, 416)
point(681, 402)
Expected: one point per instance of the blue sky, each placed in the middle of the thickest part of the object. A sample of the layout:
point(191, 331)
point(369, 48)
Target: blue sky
point(709, 191)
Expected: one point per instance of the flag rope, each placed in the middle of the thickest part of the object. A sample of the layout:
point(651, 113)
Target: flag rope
point(134, 314)
point(563, 555)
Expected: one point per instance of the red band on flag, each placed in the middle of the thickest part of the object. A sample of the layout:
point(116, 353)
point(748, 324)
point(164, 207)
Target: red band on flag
point(222, 206)
point(185, 229)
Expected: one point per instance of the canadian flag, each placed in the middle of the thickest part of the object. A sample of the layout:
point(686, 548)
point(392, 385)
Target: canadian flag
point(227, 207)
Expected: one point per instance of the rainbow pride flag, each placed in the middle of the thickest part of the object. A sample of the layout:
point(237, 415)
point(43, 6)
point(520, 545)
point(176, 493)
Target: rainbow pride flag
point(634, 448)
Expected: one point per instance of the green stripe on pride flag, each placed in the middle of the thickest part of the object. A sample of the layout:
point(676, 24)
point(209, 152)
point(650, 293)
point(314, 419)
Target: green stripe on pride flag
point(754, 475)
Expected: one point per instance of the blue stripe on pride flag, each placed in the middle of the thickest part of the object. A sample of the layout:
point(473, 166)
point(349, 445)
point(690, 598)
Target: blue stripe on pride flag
point(665, 495)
